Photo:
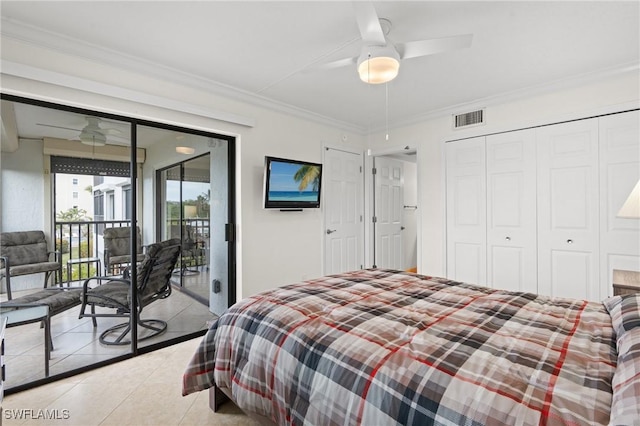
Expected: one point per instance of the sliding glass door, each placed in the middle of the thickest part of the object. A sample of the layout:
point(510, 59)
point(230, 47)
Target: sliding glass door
point(185, 215)
point(114, 189)
point(195, 204)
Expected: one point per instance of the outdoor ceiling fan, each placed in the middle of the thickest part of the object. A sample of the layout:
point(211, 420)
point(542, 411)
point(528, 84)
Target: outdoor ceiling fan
point(92, 134)
point(379, 60)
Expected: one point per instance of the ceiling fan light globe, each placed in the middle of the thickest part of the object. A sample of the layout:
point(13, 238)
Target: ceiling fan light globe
point(378, 64)
point(93, 139)
point(378, 70)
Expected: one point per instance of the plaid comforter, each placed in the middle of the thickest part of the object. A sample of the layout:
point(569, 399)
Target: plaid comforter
point(382, 347)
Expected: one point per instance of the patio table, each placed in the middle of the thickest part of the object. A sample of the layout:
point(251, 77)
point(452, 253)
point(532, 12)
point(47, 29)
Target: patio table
point(23, 315)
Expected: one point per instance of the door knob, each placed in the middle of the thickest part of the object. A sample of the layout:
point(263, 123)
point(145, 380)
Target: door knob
point(331, 231)
point(569, 241)
point(508, 238)
point(402, 228)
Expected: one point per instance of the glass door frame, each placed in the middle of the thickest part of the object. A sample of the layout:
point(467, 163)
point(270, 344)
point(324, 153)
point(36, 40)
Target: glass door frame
point(161, 220)
point(134, 123)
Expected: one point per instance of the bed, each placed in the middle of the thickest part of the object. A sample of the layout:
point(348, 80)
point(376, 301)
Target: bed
point(385, 347)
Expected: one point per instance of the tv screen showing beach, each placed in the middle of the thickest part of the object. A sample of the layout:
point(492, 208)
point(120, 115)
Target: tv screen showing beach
point(294, 182)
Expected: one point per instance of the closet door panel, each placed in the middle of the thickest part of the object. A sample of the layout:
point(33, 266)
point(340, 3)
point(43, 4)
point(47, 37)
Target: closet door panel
point(568, 202)
point(466, 211)
point(469, 262)
point(572, 273)
point(619, 172)
point(511, 211)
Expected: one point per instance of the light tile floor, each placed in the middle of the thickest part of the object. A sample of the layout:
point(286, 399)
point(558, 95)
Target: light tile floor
point(145, 390)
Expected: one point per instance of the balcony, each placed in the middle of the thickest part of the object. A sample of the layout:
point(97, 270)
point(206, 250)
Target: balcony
point(76, 240)
point(96, 179)
point(83, 240)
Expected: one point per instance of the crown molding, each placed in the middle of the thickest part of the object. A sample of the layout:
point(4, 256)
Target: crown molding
point(90, 86)
point(26, 33)
point(56, 42)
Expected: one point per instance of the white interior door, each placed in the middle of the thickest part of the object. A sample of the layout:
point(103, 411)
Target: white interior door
point(568, 198)
point(343, 201)
point(466, 211)
point(511, 211)
point(388, 211)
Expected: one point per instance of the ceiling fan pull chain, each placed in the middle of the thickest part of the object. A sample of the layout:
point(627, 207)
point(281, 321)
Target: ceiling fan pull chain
point(386, 110)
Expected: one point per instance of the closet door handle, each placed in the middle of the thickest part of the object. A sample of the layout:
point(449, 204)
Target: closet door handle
point(569, 241)
point(331, 231)
point(508, 238)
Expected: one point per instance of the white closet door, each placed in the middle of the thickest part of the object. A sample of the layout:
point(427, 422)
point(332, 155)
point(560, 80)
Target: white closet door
point(568, 199)
point(511, 211)
point(619, 172)
point(466, 211)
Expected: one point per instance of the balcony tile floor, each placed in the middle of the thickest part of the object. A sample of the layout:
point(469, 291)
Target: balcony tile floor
point(76, 341)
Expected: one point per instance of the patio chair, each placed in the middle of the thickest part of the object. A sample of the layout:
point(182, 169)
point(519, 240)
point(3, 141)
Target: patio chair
point(117, 248)
point(153, 283)
point(191, 252)
point(24, 253)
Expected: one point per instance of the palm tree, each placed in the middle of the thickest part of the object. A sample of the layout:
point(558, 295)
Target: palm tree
point(306, 175)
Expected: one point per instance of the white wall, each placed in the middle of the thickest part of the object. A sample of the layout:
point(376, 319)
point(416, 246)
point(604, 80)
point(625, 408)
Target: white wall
point(22, 173)
point(612, 93)
point(277, 248)
point(274, 248)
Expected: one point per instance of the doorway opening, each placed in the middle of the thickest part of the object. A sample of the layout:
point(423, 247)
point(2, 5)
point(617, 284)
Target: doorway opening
point(394, 204)
point(88, 196)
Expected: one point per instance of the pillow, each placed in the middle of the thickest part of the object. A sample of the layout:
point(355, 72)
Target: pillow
point(625, 402)
point(625, 318)
point(624, 312)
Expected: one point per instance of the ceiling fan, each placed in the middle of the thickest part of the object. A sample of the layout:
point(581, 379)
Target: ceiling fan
point(379, 60)
point(92, 134)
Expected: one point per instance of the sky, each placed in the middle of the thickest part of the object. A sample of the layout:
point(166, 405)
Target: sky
point(282, 177)
point(190, 190)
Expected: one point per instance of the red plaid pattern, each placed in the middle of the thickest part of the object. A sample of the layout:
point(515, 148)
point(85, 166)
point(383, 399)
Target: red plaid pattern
point(382, 347)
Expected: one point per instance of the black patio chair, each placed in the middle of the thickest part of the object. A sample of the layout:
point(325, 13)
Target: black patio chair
point(191, 250)
point(153, 283)
point(24, 253)
point(117, 248)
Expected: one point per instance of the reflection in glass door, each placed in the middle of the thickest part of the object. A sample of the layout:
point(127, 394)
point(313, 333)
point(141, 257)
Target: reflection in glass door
point(186, 213)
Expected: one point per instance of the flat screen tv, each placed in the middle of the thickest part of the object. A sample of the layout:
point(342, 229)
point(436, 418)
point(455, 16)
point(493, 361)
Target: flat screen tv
point(291, 184)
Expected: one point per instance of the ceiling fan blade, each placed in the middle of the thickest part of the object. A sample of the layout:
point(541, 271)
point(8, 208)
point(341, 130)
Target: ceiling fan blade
point(414, 49)
point(369, 23)
point(57, 127)
point(111, 131)
point(332, 65)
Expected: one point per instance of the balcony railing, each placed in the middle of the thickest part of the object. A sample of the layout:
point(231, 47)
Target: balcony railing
point(194, 234)
point(76, 240)
point(81, 240)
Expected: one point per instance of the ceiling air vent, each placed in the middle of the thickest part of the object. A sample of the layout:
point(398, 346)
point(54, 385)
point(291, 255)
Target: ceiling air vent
point(472, 118)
